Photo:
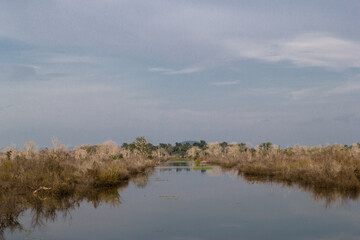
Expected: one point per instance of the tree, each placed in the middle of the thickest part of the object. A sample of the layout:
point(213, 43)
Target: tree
point(224, 144)
point(143, 146)
point(265, 146)
point(242, 147)
point(202, 144)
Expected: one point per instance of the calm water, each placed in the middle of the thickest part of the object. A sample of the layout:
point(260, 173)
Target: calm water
point(180, 202)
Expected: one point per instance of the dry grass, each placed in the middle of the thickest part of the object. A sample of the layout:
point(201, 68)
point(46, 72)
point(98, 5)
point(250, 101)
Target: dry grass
point(57, 180)
point(60, 172)
point(320, 167)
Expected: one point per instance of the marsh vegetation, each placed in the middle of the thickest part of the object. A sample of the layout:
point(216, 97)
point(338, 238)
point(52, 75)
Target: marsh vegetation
point(59, 171)
point(176, 201)
point(171, 183)
point(323, 168)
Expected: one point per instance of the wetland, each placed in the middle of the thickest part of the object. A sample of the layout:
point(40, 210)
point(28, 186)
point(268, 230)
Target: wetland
point(218, 191)
point(176, 201)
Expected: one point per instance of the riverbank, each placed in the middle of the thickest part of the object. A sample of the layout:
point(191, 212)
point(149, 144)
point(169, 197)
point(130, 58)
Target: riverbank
point(58, 172)
point(320, 167)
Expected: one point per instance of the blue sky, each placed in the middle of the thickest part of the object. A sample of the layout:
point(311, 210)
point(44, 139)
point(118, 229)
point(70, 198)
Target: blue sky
point(247, 71)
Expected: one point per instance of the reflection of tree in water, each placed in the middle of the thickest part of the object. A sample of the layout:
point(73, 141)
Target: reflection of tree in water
point(46, 208)
point(10, 210)
point(329, 195)
point(140, 181)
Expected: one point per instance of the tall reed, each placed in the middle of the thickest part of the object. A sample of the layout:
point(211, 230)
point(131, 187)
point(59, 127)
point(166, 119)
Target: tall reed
point(330, 166)
point(58, 171)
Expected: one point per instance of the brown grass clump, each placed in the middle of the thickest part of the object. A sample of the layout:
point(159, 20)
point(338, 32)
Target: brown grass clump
point(56, 180)
point(59, 172)
point(322, 167)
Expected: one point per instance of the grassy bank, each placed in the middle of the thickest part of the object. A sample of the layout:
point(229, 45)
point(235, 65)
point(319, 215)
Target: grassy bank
point(58, 172)
point(320, 167)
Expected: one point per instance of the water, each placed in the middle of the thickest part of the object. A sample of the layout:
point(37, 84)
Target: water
point(180, 202)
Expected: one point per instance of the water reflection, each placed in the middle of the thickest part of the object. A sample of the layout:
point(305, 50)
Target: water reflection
point(42, 208)
point(328, 195)
point(177, 163)
point(45, 208)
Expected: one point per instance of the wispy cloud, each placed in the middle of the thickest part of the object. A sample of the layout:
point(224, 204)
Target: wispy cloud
point(159, 69)
point(312, 49)
point(18, 72)
point(322, 92)
point(225, 83)
point(301, 93)
point(23, 72)
point(198, 40)
point(345, 88)
point(175, 72)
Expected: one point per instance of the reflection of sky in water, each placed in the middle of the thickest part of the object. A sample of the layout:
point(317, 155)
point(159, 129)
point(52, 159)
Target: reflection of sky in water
point(182, 203)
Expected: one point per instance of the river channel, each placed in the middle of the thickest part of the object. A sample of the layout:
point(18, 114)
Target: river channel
point(179, 201)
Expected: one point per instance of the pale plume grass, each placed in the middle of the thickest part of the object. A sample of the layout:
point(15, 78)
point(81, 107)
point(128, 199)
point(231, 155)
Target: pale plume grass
point(331, 166)
point(89, 166)
point(62, 171)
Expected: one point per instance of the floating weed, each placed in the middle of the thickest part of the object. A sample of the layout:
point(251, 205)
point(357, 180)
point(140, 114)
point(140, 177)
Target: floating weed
point(202, 168)
point(160, 180)
point(197, 162)
point(169, 196)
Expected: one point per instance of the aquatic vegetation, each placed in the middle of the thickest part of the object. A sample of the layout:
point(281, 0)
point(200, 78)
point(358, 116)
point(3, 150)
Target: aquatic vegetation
point(332, 166)
point(169, 196)
point(46, 204)
point(197, 162)
point(160, 180)
point(202, 168)
point(58, 172)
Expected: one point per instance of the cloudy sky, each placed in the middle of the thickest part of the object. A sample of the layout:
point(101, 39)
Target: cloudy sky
point(85, 71)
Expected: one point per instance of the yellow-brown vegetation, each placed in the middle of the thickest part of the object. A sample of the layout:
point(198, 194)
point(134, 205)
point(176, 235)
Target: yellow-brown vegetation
point(321, 167)
point(59, 172)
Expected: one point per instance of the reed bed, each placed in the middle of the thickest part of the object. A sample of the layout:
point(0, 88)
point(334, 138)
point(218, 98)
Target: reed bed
point(58, 172)
point(57, 180)
point(321, 167)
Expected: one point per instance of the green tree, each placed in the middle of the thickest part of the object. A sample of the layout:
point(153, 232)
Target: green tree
point(265, 146)
point(202, 144)
point(125, 145)
point(224, 144)
point(242, 147)
point(143, 146)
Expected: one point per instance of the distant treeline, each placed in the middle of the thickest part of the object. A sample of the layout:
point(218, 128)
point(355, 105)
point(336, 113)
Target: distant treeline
point(141, 147)
point(177, 150)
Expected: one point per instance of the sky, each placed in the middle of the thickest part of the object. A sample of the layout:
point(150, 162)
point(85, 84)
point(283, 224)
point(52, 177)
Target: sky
point(87, 71)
